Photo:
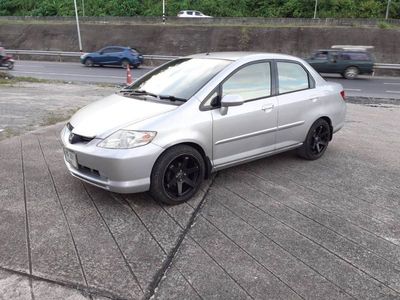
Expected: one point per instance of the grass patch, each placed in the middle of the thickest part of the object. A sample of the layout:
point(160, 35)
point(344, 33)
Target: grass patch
point(384, 25)
point(7, 78)
point(8, 133)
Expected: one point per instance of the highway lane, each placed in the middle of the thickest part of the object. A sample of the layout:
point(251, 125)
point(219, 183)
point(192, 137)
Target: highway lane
point(74, 72)
point(380, 87)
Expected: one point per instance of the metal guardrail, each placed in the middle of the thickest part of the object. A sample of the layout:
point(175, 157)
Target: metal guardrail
point(149, 57)
point(387, 66)
point(77, 54)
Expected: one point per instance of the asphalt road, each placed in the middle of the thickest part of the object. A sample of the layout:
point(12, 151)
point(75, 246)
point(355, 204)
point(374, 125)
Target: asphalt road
point(380, 87)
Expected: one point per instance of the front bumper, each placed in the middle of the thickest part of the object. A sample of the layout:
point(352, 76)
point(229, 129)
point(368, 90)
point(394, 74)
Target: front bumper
point(116, 170)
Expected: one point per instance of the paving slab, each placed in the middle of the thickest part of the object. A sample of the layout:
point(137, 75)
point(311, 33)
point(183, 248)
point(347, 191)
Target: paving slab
point(13, 286)
point(276, 228)
point(13, 226)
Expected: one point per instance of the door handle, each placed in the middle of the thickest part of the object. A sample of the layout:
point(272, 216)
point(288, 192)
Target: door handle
point(314, 99)
point(267, 107)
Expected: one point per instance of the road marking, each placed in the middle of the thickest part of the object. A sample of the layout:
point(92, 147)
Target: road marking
point(393, 83)
point(66, 74)
point(1, 130)
point(353, 90)
point(393, 92)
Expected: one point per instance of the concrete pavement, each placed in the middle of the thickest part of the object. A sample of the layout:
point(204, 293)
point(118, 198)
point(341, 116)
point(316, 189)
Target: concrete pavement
point(277, 228)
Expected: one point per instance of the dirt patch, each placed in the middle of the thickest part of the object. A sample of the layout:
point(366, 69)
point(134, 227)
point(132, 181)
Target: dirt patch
point(26, 106)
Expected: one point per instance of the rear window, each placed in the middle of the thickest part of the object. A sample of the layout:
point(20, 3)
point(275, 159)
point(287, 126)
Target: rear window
point(355, 56)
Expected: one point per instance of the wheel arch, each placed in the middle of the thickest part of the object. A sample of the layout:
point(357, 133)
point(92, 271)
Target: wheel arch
point(329, 121)
point(200, 149)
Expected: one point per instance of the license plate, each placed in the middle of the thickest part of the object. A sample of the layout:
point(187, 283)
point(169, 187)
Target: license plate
point(70, 157)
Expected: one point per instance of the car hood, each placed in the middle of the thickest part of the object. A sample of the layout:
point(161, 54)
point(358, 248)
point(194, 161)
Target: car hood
point(113, 113)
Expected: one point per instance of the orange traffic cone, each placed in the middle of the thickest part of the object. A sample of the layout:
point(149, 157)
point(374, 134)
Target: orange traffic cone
point(129, 79)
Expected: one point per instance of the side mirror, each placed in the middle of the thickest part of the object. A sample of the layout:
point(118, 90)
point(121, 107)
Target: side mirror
point(230, 100)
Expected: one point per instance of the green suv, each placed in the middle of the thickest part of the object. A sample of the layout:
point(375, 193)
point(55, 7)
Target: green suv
point(348, 63)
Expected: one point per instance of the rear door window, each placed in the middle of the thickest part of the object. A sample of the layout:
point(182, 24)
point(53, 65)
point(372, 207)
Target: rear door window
point(292, 77)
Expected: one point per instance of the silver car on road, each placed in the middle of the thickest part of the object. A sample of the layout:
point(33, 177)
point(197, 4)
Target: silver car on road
point(195, 115)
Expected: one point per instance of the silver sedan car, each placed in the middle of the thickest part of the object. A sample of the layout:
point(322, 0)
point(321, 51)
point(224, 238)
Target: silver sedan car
point(195, 115)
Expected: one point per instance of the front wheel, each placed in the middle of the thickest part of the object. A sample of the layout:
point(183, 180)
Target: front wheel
point(177, 175)
point(89, 62)
point(317, 140)
point(10, 65)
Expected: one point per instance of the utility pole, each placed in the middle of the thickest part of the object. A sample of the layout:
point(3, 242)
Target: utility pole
point(163, 11)
point(77, 27)
point(315, 9)
point(83, 8)
point(387, 9)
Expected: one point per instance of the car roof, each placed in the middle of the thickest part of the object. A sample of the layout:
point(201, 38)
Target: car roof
point(236, 55)
point(346, 50)
point(116, 46)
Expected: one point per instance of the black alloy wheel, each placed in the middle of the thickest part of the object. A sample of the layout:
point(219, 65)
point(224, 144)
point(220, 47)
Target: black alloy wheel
point(317, 140)
point(320, 139)
point(177, 175)
point(181, 176)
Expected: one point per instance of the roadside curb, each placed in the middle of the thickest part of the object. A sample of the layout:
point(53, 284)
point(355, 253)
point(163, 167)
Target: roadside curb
point(372, 100)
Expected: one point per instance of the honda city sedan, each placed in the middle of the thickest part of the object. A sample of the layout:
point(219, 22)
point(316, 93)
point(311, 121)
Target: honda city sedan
point(113, 55)
point(173, 127)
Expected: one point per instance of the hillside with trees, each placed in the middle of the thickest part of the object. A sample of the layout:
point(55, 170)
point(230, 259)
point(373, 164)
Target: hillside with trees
point(218, 8)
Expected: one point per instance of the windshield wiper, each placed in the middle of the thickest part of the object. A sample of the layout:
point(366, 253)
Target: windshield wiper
point(172, 98)
point(145, 93)
point(139, 92)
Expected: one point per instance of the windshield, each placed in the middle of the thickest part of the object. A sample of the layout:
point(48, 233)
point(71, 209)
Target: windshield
point(180, 78)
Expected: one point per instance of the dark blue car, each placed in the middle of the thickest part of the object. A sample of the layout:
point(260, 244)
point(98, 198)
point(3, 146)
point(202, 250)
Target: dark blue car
point(113, 55)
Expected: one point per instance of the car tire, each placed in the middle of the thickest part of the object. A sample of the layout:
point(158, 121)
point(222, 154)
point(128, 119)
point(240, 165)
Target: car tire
point(136, 66)
point(317, 140)
point(89, 62)
point(177, 175)
point(125, 63)
point(351, 73)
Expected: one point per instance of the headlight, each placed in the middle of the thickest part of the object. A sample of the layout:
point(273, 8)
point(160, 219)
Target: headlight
point(125, 139)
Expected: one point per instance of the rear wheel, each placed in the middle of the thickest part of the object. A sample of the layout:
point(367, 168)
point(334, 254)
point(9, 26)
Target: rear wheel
point(351, 73)
point(177, 175)
point(317, 140)
point(89, 62)
point(125, 63)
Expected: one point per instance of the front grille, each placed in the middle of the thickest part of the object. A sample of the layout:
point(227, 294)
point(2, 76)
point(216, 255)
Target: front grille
point(76, 138)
